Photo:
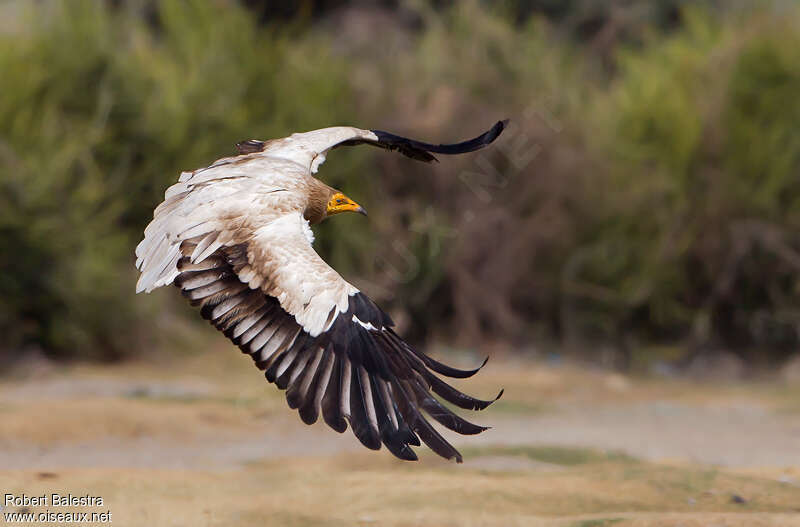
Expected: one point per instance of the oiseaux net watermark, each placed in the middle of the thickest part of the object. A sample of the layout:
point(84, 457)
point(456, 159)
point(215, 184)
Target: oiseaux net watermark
point(54, 508)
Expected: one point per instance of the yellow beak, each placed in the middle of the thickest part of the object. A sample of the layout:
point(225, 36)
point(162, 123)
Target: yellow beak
point(341, 203)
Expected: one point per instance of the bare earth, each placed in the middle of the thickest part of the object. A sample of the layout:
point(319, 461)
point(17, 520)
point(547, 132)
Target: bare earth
point(206, 441)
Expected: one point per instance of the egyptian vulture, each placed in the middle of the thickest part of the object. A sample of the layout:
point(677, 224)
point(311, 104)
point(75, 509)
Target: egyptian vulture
point(235, 237)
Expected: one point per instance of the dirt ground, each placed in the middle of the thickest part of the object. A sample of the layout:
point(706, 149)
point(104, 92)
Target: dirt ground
point(204, 440)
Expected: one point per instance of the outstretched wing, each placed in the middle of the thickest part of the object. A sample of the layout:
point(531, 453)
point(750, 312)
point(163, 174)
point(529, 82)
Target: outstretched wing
point(320, 339)
point(314, 145)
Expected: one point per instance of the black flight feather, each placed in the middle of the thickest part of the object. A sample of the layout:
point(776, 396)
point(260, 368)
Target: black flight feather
point(422, 151)
point(390, 383)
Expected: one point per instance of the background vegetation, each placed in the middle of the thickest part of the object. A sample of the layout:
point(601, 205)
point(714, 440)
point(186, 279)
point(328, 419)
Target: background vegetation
point(646, 197)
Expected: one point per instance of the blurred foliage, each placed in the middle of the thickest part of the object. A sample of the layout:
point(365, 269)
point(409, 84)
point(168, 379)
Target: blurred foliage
point(645, 192)
point(700, 236)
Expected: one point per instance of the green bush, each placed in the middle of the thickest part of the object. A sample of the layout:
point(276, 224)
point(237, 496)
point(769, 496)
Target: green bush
point(699, 239)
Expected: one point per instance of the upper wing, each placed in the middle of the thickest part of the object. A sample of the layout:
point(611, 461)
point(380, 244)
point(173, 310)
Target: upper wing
point(310, 148)
point(319, 338)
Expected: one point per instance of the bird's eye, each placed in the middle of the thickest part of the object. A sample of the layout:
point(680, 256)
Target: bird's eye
point(339, 200)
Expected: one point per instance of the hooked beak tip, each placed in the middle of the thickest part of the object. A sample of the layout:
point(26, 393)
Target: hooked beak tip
point(361, 210)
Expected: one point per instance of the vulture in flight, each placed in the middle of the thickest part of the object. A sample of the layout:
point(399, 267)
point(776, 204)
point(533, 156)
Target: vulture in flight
point(235, 237)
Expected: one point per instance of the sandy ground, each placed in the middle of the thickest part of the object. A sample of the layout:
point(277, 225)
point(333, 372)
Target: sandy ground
point(205, 441)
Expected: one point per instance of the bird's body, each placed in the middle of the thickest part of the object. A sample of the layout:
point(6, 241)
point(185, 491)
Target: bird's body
point(236, 238)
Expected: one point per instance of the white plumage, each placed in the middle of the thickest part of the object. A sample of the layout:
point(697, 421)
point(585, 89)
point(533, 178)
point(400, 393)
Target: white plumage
point(235, 237)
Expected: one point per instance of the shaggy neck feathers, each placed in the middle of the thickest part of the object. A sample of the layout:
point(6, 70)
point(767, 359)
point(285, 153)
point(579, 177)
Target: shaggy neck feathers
point(318, 196)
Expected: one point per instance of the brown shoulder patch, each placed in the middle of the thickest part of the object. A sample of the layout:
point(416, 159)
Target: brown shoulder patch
point(251, 146)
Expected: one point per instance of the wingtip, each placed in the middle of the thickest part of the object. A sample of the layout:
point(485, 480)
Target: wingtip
point(406, 454)
point(422, 151)
point(490, 136)
point(490, 403)
point(487, 404)
point(483, 429)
